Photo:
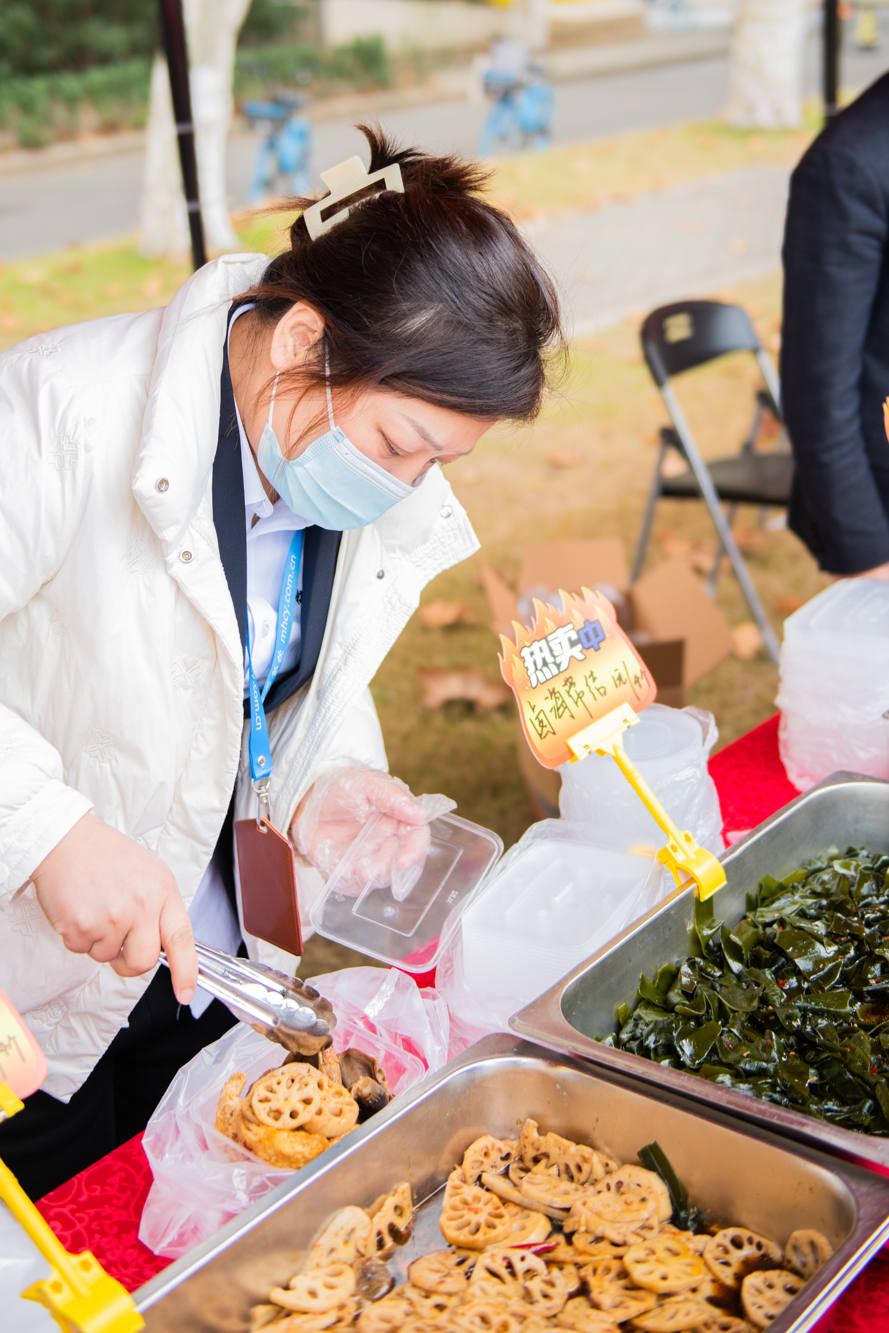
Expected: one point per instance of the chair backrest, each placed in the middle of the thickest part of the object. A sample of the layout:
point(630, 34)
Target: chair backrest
point(688, 333)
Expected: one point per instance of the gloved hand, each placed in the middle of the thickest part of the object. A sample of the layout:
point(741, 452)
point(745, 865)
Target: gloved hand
point(339, 807)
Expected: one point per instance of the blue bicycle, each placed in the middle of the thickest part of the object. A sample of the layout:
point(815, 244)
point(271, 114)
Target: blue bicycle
point(522, 114)
point(284, 160)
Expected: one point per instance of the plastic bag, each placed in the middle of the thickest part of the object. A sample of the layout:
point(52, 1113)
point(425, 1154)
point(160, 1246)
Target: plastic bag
point(834, 684)
point(21, 1264)
point(348, 805)
point(670, 747)
point(201, 1178)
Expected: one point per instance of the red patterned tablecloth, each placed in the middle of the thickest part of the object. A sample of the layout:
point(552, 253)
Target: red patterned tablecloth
point(100, 1209)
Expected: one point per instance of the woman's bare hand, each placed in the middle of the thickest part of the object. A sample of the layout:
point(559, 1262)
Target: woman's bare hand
point(110, 898)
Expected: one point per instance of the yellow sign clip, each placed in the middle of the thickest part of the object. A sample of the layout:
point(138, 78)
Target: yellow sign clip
point(683, 856)
point(78, 1293)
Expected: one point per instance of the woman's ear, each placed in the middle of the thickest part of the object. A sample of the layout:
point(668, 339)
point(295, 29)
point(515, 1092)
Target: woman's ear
point(294, 334)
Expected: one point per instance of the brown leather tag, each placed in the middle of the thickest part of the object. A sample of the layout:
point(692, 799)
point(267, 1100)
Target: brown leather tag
point(268, 885)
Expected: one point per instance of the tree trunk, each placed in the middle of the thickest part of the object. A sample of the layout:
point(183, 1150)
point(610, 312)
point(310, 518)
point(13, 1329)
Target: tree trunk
point(211, 29)
point(766, 60)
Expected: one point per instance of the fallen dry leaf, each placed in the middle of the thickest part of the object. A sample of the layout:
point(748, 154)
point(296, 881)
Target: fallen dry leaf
point(751, 541)
point(746, 640)
point(438, 615)
point(466, 683)
point(565, 459)
point(785, 606)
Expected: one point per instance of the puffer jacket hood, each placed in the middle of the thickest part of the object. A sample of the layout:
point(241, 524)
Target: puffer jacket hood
point(121, 668)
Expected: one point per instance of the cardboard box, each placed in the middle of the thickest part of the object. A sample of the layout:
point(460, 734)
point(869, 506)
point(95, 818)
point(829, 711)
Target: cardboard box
point(683, 633)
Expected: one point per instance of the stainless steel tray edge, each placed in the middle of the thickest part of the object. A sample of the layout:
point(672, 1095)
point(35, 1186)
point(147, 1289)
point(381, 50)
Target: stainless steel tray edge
point(868, 1193)
point(544, 1020)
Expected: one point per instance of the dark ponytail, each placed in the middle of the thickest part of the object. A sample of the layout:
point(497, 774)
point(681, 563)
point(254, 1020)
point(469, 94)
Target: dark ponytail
point(432, 293)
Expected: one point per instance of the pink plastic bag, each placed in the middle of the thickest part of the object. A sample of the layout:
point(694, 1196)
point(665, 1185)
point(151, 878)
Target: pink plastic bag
point(201, 1178)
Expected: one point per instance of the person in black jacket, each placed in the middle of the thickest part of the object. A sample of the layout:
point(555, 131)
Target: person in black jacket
point(835, 352)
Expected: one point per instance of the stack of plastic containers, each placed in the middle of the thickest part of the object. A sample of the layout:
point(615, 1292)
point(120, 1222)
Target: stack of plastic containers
point(555, 899)
point(669, 746)
point(834, 689)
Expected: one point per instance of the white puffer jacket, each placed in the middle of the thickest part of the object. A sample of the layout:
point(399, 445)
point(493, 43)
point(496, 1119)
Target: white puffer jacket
point(121, 669)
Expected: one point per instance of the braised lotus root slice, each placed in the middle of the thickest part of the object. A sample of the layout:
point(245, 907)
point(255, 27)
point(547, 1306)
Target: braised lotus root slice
point(444, 1271)
point(552, 1192)
point(550, 1154)
point(337, 1114)
point(507, 1266)
point(634, 1182)
point(391, 1223)
point(288, 1097)
point(765, 1295)
point(586, 1246)
point(722, 1323)
point(578, 1314)
point(734, 1252)
point(806, 1252)
point(342, 1241)
point(548, 1293)
point(715, 1292)
point(260, 1315)
point(307, 1323)
point(562, 1252)
point(500, 1186)
point(486, 1317)
point(427, 1304)
point(694, 1241)
point(607, 1268)
point(386, 1316)
point(473, 1218)
point(525, 1227)
point(664, 1265)
point(488, 1154)
point(675, 1315)
point(316, 1292)
point(622, 1299)
point(228, 1108)
point(621, 1212)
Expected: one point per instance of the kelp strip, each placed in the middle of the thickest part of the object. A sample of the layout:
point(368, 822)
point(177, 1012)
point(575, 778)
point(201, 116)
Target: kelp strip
point(792, 1004)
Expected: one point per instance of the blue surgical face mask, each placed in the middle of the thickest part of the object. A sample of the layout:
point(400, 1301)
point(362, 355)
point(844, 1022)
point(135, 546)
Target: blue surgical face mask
point(331, 484)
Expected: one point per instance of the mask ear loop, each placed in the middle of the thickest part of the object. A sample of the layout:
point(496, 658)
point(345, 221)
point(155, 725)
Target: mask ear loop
point(327, 386)
point(272, 403)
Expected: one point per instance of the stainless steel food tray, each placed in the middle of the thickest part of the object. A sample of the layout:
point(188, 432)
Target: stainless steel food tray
point(844, 809)
point(737, 1173)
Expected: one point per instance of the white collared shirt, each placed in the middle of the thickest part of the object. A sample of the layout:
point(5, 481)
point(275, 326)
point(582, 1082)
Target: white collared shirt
point(270, 530)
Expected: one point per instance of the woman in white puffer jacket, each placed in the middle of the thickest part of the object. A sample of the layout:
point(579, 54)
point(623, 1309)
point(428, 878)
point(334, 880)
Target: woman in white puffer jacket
point(160, 470)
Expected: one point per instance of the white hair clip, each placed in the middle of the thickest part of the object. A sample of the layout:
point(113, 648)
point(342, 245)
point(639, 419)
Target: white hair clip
point(344, 180)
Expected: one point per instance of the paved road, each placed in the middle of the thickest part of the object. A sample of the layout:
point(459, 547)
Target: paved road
point(688, 240)
point(100, 197)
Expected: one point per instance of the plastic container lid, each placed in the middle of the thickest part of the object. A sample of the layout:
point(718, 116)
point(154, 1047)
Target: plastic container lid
point(410, 934)
point(850, 609)
point(553, 904)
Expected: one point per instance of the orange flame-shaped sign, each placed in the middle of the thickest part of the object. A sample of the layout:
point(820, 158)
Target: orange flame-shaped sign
point(569, 669)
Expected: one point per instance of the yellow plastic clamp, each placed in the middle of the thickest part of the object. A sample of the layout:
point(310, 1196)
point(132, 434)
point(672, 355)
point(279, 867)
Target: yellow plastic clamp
point(682, 856)
point(78, 1293)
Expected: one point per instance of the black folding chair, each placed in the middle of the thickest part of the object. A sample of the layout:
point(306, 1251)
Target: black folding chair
point(674, 339)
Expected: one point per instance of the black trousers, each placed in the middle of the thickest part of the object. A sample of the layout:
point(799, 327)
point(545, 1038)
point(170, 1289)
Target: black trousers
point(50, 1141)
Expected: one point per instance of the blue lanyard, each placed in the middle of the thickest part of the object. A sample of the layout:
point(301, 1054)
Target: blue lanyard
point(260, 751)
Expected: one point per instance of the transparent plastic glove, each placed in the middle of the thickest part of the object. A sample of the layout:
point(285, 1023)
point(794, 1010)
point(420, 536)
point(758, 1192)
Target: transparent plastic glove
point(338, 808)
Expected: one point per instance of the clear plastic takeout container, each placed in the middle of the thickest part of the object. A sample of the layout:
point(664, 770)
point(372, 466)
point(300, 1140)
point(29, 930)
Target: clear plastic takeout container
point(411, 933)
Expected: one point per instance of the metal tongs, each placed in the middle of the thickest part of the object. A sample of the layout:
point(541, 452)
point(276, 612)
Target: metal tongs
point(282, 1008)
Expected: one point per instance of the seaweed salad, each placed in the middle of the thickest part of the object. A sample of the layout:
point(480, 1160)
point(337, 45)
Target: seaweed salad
point(792, 1005)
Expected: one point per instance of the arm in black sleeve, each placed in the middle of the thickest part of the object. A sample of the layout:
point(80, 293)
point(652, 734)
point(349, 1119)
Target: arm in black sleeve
point(834, 245)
